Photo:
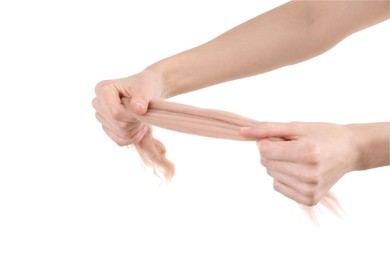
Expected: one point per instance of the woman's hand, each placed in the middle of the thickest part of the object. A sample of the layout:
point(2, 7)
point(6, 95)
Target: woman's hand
point(313, 157)
point(110, 112)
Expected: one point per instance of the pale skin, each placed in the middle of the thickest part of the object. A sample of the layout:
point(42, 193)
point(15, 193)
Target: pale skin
point(313, 156)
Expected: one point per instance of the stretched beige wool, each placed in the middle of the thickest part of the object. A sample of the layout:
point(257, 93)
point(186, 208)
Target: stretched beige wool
point(197, 121)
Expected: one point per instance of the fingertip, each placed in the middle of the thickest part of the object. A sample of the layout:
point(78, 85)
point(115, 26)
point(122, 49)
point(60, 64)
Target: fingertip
point(138, 108)
point(251, 132)
point(244, 130)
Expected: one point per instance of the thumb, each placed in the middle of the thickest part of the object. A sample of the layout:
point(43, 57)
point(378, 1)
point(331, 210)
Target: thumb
point(139, 104)
point(266, 130)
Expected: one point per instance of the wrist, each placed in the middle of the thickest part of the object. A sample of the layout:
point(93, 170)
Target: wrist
point(371, 145)
point(164, 79)
point(186, 72)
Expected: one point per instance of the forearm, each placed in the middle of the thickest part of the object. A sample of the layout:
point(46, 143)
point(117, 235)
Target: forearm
point(289, 34)
point(372, 144)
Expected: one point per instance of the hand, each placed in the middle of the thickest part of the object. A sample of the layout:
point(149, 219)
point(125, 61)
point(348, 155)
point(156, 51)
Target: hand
point(310, 160)
point(110, 112)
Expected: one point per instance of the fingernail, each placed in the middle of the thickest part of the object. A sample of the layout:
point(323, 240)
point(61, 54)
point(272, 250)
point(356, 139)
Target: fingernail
point(139, 104)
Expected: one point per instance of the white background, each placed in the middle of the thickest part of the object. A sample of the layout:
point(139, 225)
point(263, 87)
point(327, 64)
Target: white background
point(68, 192)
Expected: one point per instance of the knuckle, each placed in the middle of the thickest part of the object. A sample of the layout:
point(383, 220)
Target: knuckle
point(311, 201)
point(312, 153)
point(308, 203)
point(312, 197)
point(311, 178)
point(276, 186)
point(95, 103)
point(304, 178)
point(116, 114)
point(264, 161)
point(309, 190)
point(102, 85)
point(316, 178)
point(264, 150)
point(98, 117)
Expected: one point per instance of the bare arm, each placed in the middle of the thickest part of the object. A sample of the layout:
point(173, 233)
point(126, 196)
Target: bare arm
point(291, 33)
point(288, 34)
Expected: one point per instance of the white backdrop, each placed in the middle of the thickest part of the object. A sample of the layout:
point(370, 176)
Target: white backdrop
point(68, 192)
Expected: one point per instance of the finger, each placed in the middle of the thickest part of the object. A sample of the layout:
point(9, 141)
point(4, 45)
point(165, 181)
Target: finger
point(95, 104)
point(281, 151)
point(266, 129)
point(139, 104)
point(126, 141)
point(125, 128)
point(100, 109)
point(122, 129)
point(108, 102)
point(118, 140)
point(294, 195)
point(297, 151)
point(300, 172)
point(304, 188)
point(101, 119)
